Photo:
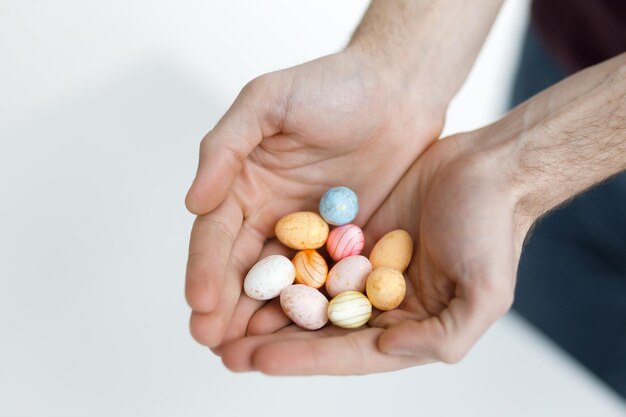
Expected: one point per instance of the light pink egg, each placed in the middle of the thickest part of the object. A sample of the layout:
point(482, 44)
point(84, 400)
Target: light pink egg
point(344, 241)
point(349, 274)
point(305, 306)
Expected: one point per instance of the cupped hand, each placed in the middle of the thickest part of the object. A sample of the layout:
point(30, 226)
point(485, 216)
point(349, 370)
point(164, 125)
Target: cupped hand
point(468, 237)
point(288, 137)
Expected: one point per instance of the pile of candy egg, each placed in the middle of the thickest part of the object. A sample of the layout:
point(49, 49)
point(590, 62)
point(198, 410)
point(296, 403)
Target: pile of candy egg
point(380, 277)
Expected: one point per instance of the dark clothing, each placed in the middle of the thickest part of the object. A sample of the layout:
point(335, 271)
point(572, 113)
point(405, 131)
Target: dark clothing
point(572, 273)
point(581, 33)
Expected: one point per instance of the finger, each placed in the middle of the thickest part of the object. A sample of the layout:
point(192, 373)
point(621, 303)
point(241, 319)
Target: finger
point(209, 328)
point(348, 354)
point(237, 354)
point(247, 307)
point(256, 113)
point(268, 319)
point(212, 238)
point(448, 336)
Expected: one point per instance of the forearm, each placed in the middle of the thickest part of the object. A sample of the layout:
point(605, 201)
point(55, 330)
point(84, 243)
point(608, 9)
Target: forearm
point(566, 139)
point(419, 40)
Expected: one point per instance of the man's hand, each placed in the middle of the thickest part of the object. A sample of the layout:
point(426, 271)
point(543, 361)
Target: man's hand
point(357, 118)
point(461, 278)
point(288, 137)
point(468, 202)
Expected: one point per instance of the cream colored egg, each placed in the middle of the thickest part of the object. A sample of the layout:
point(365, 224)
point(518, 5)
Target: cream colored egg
point(269, 277)
point(349, 274)
point(302, 230)
point(385, 288)
point(350, 309)
point(305, 306)
point(394, 250)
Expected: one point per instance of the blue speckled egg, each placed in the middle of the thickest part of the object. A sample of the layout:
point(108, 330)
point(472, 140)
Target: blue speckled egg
point(339, 206)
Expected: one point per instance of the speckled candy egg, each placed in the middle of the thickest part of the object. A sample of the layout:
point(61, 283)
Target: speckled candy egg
point(344, 241)
point(385, 288)
point(349, 274)
point(350, 309)
point(394, 250)
point(305, 306)
point(269, 277)
point(339, 206)
point(311, 268)
point(302, 230)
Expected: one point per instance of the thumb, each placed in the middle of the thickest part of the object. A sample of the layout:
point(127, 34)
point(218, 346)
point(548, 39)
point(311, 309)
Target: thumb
point(256, 113)
point(450, 335)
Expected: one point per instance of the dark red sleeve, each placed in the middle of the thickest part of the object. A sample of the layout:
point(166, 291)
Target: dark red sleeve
point(580, 33)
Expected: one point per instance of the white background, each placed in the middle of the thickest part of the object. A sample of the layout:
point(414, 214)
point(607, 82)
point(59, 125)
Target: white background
point(102, 106)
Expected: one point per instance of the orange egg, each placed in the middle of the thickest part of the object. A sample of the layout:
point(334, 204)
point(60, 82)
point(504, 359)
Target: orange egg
point(311, 268)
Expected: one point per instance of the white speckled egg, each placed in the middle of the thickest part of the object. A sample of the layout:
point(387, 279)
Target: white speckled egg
point(305, 306)
point(349, 274)
point(269, 277)
point(350, 309)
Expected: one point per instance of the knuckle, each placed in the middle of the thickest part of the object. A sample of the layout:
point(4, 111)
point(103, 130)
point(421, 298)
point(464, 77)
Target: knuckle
point(449, 353)
point(197, 331)
point(218, 227)
point(256, 86)
point(497, 296)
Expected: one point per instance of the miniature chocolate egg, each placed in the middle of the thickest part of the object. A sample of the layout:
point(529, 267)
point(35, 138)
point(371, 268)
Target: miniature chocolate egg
point(344, 241)
point(394, 250)
point(339, 206)
point(350, 309)
point(311, 268)
point(305, 306)
point(302, 230)
point(385, 288)
point(269, 277)
point(349, 274)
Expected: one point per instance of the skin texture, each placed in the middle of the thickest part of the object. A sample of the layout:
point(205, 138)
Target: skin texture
point(292, 134)
point(468, 203)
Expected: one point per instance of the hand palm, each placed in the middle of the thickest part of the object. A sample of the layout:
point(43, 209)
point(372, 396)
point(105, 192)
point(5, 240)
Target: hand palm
point(462, 259)
point(288, 137)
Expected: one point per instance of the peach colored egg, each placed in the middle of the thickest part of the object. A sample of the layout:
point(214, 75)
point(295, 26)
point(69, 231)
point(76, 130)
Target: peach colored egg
point(311, 268)
point(350, 309)
point(348, 274)
point(385, 288)
point(302, 230)
point(394, 250)
point(305, 306)
point(344, 241)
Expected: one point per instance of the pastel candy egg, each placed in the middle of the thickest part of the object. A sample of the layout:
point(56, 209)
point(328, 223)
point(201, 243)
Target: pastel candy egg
point(394, 250)
point(305, 306)
point(269, 277)
point(339, 206)
point(385, 288)
point(302, 230)
point(311, 268)
point(344, 241)
point(349, 274)
point(350, 309)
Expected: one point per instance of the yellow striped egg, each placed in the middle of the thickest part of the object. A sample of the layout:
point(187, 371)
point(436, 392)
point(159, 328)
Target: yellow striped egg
point(311, 268)
point(350, 309)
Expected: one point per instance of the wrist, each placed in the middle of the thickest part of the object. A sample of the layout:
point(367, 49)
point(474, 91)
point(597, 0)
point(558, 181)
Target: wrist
point(424, 42)
point(491, 156)
point(415, 92)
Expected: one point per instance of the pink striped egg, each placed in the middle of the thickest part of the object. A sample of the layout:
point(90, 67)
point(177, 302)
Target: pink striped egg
point(344, 241)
